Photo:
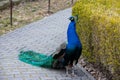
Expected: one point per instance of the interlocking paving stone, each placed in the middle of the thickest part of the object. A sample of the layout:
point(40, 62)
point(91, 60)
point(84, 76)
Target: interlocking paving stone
point(43, 36)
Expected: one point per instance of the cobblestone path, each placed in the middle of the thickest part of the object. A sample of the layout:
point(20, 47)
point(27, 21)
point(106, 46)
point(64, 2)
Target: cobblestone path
point(43, 36)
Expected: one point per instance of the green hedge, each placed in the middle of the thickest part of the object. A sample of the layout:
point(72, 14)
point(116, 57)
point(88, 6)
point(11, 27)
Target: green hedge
point(99, 29)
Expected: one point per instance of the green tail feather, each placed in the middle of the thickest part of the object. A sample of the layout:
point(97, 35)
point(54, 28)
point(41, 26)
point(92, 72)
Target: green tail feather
point(36, 59)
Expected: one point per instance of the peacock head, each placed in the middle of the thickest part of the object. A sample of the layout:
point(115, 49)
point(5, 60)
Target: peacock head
point(73, 18)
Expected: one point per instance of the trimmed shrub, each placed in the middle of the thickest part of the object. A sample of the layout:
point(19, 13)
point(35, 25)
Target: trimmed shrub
point(99, 29)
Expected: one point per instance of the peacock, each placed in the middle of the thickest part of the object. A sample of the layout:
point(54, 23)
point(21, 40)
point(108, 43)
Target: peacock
point(73, 47)
point(68, 52)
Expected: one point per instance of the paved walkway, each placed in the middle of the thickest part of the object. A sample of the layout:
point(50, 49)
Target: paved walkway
point(43, 36)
